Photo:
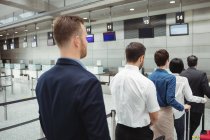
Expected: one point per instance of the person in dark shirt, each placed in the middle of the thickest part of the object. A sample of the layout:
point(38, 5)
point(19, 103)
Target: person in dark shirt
point(70, 99)
point(200, 86)
point(183, 91)
point(165, 85)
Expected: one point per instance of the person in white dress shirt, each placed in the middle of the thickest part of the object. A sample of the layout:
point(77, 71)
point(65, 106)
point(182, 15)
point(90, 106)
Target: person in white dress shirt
point(135, 98)
point(183, 91)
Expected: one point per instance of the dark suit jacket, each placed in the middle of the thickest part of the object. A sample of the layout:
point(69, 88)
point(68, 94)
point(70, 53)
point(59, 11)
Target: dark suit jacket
point(71, 104)
point(200, 86)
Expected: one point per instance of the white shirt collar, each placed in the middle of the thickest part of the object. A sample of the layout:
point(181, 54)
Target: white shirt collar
point(131, 67)
point(176, 74)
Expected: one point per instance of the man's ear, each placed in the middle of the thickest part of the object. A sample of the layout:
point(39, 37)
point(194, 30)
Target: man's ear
point(141, 58)
point(76, 41)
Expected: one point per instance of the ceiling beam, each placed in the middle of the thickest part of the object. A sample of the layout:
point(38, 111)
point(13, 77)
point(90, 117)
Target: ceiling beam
point(30, 5)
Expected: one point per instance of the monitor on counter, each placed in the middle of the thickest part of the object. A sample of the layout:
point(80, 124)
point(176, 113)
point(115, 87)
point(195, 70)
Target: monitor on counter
point(90, 38)
point(179, 29)
point(109, 36)
point(146, 33)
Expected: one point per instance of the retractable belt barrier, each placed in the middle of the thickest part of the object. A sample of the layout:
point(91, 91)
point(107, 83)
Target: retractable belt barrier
point(112, 114)
point(12, 102)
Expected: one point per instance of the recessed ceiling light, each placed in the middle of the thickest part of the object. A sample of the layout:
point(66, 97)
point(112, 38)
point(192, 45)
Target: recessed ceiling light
point(132, 9)
point(16, 32)
point(85, 18)
point(172, 1)
point(1, 35)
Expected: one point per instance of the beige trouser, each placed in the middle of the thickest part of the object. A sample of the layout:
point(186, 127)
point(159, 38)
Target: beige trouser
point(165, 124)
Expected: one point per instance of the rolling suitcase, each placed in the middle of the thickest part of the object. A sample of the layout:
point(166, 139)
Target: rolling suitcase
point(205, 134)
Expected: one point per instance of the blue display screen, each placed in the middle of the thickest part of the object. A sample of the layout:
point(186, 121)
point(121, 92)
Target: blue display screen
point(109, 36)
point(90, 38)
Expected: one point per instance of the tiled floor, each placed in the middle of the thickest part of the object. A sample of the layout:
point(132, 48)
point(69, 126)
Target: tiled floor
point(25, 111)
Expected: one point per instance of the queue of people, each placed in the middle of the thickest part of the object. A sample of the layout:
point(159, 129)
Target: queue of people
point(174, 94)
point(71, 105)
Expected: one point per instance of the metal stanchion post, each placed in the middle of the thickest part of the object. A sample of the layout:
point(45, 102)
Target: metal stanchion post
point(5, 106)
point(36, 74)
point(113, 123)
point(11, 80)
point(188, 127)
point(32, 83)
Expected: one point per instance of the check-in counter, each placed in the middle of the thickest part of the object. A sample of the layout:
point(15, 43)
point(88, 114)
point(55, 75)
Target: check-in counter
point(19, 66)
point(44, 69)
point(34, 67)
point(18, 69)
point(95, 69)
point(8, 68)
point(1, 65)
point(32, 71)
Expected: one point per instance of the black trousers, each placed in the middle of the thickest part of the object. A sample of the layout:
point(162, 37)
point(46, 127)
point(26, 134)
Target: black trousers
point(127, 133)
point(179, 126)
point(195, 119)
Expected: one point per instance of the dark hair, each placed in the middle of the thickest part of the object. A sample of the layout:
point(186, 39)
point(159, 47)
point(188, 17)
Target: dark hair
point(134, 50)
point(65, 27)
point(192, 60)
point(161, 56)
point(176, 65)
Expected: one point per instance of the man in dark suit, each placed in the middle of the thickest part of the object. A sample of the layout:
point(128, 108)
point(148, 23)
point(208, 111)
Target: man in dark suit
point(70, 99)
point(200, 86)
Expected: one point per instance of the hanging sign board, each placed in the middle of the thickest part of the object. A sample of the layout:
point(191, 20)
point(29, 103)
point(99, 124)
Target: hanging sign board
point(88, 29)
point(50, 39)
point(109, 26)
point(25, 43)
point(180, 17)
point(34, 41)
point(12, 44)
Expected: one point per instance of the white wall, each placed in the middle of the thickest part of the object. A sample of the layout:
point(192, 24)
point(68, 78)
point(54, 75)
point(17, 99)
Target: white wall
point(111, 53)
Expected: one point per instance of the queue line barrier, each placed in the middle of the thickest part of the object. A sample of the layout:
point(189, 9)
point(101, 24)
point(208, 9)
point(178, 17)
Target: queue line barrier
point(111, 115)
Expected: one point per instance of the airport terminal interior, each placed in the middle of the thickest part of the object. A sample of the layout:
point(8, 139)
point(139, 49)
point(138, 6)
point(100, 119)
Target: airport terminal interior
point(28, 49)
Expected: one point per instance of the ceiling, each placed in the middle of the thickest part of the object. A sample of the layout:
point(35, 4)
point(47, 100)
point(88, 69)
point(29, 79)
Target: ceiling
point(99, 11)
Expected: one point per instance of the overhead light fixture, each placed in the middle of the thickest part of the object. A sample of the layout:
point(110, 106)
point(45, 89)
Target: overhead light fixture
point(1, 35)
point(7, 34)
point(84, 18)
point(37, 28)
point(26, 30)
point(16, 32)
point(132, 9)
point(172, 1)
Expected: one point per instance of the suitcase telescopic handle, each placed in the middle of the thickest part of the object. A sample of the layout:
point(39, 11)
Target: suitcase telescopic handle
point(203, 131)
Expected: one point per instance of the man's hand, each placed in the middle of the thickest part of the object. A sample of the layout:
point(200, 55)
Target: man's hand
point(187, 107)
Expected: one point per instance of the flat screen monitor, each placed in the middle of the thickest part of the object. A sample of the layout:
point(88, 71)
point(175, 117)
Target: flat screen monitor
point(179, 29)
point(90, 38)
point(146, 33)
point(109, 36)
point(12, 46)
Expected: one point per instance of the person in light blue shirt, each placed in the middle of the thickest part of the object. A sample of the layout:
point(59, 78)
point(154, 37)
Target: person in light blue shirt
point(165, 85)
